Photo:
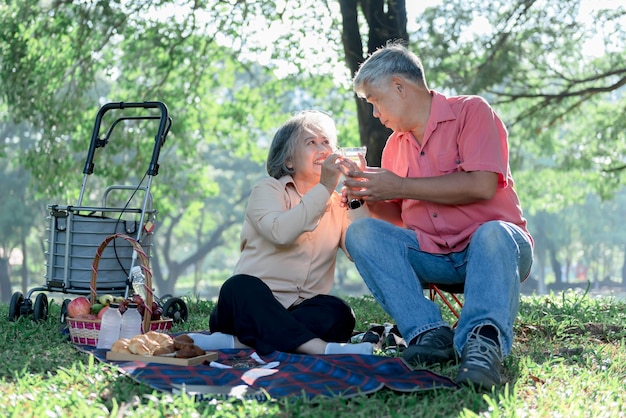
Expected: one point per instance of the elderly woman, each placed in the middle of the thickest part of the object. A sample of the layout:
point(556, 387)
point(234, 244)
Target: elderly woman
point(278, 298)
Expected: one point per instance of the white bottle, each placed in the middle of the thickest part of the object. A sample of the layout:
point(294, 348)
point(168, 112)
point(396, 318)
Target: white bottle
point(138, 281)
point(131, 322)
point(110, 327)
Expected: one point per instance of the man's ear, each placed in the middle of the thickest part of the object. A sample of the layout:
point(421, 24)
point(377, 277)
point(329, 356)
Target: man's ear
point(398, 84)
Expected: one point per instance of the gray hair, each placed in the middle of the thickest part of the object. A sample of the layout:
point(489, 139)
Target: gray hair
point(392, 59)
point(283, 147)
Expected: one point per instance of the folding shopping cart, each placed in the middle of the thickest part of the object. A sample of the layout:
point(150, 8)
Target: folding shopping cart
point(76, 231)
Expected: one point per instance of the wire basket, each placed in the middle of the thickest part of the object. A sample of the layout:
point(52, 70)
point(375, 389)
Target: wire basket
point(85, 331)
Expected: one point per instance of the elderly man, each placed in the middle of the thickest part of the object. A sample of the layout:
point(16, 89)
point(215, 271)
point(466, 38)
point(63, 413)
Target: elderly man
point(446, 212)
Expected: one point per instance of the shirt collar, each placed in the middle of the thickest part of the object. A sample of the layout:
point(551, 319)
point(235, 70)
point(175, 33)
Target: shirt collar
point(288, 180)
point(440, 110)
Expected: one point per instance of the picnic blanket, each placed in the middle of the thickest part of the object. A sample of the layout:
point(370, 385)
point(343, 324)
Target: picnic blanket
point(243, 374)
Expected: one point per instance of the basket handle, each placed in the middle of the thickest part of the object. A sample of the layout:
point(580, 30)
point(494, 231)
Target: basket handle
point(145, 266)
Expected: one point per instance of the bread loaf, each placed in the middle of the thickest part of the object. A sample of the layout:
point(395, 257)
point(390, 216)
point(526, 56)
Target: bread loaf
point(158, 344)
point(182, 341)
point(137, 346)
point(159, 338)
point(121, 346)
point(190, 351)
point(164, 350)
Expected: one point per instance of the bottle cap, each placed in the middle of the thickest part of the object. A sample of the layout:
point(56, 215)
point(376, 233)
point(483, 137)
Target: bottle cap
point(114, 305)
point(132, 305)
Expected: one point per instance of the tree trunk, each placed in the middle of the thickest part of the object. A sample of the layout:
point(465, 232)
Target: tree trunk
point(386, 20)
point(163, 257)
point(624, 268)
point(5, 280)
point(541, 280)
point(556, 265)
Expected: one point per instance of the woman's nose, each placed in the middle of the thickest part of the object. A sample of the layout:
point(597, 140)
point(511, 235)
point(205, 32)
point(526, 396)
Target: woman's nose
point(324, 148)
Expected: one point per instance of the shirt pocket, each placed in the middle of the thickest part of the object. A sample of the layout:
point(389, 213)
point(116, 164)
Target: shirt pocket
point(448, 162)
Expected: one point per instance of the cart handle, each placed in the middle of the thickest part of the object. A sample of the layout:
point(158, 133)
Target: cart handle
point(164, 126)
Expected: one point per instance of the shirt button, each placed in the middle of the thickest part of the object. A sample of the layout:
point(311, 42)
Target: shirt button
point(422, 153)
point(435, 215)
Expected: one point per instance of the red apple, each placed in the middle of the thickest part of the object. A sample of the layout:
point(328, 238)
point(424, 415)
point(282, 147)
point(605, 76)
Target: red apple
point(102, 311)
point(78, 306)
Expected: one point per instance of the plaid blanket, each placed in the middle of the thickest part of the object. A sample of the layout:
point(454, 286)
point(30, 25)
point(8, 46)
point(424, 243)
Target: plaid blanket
point(236, 373)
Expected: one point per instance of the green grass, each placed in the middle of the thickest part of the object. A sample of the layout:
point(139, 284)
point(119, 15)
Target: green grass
point(569, 360)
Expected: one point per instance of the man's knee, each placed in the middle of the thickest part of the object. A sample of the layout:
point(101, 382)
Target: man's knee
point(493, 234)
point(361, 231)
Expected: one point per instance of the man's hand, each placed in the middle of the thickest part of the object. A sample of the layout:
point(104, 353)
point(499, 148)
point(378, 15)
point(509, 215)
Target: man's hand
point(373, 183)
point(452, 189)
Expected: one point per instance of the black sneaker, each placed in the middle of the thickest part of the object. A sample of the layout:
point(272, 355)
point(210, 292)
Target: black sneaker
point(394, 342)
point(375, 335)
point(432, 347)
point(481, 363)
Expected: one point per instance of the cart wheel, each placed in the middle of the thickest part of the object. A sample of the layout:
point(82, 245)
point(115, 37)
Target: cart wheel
point(64, 310)
point(176, 308)
point(40, 312)
point(16, 305)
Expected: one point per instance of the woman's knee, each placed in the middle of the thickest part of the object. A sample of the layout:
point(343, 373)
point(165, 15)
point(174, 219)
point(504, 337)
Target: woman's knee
point(327, 316)
point(242, 283)
point(339, 306)
point(343, 315)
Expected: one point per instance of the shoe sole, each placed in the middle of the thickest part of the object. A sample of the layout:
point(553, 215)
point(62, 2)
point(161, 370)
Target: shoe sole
point(427, 356)
point(477, 378)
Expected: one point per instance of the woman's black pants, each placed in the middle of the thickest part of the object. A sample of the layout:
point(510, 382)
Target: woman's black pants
point(247, 308)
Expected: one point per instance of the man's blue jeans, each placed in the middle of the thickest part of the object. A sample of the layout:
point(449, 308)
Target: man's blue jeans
point(394, 269)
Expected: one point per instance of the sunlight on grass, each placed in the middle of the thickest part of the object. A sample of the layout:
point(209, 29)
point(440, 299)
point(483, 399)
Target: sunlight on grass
point(568, 360)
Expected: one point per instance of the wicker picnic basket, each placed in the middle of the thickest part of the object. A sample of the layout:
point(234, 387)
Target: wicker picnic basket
point(85, 331)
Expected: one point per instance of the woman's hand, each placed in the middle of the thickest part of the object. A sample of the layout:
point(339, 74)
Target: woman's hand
point(331, 172)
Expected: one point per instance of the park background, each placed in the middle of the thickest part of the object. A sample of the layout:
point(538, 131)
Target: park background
point(231, 72)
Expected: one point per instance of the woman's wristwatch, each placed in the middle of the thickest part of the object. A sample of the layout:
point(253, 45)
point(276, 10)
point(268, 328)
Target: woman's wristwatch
point(356, 203)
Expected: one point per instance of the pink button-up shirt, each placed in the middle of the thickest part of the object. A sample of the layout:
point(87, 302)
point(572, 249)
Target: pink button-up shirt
point(291, 241)
point(463, 133)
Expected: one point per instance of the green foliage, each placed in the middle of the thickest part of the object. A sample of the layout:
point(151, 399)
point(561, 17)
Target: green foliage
point(560, 100)
point(231, 72)
point(528, 58)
